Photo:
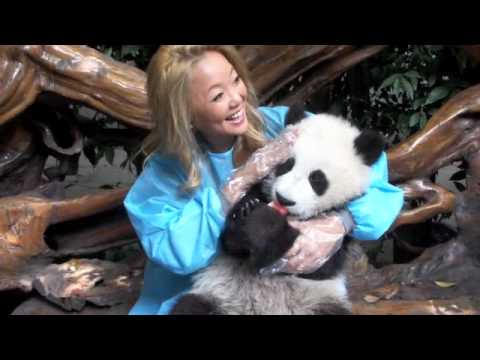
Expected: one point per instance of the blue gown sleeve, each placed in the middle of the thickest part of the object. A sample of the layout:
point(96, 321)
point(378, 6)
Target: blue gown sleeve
point(274, 120)
point(376, 211)
point(177, 232)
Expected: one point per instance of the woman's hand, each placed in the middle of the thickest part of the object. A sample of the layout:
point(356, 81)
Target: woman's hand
point(259, 165)
point(319, 240)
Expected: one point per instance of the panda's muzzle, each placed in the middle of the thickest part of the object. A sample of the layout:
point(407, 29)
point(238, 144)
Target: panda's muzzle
point(284, 202)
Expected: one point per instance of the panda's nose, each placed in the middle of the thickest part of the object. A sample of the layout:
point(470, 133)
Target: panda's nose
point(284, 202)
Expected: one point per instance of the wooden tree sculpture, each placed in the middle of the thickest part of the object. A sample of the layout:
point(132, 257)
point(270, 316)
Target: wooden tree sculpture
point(31, 207)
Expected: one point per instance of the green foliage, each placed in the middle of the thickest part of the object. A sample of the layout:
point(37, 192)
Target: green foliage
point(137, 55)
point(399, 90)
point(395, 92)
point(94, 151)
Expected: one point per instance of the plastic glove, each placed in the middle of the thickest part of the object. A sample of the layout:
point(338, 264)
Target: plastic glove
point(259, 165)
point(319, 240)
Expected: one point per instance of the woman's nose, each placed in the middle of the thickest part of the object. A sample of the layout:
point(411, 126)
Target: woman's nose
point(235, 98)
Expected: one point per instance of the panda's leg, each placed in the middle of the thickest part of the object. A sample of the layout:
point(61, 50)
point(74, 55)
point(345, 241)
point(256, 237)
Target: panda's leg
point(332, 297)
point(333, 267)
point(331, 309)
point(194, 304)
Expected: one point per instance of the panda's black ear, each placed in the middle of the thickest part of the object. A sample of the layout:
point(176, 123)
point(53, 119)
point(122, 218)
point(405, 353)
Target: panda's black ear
point(370, 145)
point(295, 114)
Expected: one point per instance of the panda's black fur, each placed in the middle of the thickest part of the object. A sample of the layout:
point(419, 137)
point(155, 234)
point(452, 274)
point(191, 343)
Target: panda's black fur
point(256, 236)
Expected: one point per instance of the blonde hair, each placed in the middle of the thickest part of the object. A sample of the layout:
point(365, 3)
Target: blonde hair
point(168, 76)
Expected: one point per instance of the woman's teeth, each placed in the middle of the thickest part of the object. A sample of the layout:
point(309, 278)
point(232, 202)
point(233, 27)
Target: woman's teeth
point(236, 117)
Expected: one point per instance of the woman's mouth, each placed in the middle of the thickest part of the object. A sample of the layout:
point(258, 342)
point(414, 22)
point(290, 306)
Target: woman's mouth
point(236, 118)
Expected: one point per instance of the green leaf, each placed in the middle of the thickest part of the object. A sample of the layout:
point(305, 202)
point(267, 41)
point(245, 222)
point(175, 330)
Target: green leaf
point(432, 80)
point(462, 60)
point(417, 103)
point(412, 74)
point(445, 284)
point(414, 120)
point(460, 187)
point(414, 77)
point(403, 133)
point(389, 81)
point(396, 87)
point(423, 120)
point(109, 155)
point(375, 72)
point(438, 93)
point(402, 118)
point(99, 154)
point(463, 165)
point(371, 299)
point(108, 51)
point(407, 87)
point(90, 154)
point(458, 176)
point(132, 50)
point(414, 83)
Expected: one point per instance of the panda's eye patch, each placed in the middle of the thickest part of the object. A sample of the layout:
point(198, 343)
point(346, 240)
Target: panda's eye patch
point(319, 182)
point(285, 167)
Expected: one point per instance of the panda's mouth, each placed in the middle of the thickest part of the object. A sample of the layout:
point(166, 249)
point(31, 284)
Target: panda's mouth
point(283, 201)
point(279, 208)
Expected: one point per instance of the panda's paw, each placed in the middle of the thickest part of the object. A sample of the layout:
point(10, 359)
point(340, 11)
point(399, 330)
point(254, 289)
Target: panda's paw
point(266, 219)
point(244, 208)
point(270, 236)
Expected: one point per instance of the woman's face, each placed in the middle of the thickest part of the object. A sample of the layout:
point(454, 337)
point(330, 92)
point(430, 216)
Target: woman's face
point(218, 98)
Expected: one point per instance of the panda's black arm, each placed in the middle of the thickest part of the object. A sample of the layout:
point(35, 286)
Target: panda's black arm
point(233, 239)
point(264, 236)
point(270, 236)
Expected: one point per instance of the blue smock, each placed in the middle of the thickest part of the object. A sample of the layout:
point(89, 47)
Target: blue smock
point(179, 233)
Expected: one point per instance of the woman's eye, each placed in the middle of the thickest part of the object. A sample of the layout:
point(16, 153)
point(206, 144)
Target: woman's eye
point(218, 97)
point(237, 79)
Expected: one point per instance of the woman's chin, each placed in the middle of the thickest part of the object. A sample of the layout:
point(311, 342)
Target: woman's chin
point(237, 129)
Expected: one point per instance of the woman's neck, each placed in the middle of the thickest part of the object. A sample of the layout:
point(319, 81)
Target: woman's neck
point(221, 145)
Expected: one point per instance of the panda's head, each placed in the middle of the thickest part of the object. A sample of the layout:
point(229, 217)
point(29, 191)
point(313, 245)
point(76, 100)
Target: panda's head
point(330, 164)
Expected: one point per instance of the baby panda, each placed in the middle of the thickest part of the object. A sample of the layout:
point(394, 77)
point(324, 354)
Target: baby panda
point(330, 166)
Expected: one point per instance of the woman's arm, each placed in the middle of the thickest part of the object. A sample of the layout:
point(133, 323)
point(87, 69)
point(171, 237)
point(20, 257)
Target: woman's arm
point(178, 233)
point(376, 211)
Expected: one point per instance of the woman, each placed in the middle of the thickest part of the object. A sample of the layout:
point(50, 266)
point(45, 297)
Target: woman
point(207, 124)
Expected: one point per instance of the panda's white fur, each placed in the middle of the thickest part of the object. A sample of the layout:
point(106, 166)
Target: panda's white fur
point(325, 142)
point(239, 291)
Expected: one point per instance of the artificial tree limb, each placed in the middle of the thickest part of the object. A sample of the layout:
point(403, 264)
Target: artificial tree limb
point(83, 74)
point(274, 66)
point(452, 134)
point(76, 72)
point(75, 283)
point(329, 72)
point(24, 219)
point(459, 306)
point(437, 201)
